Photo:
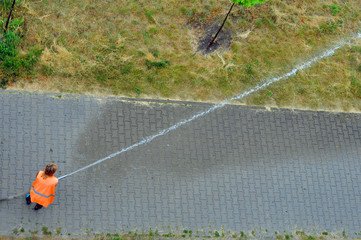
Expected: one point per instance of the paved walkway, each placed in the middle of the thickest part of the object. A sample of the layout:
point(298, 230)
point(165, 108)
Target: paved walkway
point(239, 167)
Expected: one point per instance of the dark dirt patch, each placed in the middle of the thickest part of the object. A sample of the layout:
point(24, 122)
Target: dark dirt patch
point(223, 39)
point(206, 29)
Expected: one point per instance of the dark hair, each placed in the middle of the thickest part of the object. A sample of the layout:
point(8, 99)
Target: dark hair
point(50, 169)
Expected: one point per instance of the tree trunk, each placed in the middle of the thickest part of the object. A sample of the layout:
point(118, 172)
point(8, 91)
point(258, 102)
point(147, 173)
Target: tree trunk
point(11, 11)
point(219, 30)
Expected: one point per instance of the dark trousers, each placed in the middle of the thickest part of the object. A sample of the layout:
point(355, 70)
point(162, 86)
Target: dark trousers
point(28, 201)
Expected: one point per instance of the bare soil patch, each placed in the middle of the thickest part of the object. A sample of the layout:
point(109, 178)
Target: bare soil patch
point(222, 42)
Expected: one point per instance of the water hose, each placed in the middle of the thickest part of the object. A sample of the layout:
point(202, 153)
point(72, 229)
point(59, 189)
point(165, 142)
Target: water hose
point(268, 82)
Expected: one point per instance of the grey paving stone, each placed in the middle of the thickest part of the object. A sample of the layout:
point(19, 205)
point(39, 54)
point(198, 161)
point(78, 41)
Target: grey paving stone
point(239, 167)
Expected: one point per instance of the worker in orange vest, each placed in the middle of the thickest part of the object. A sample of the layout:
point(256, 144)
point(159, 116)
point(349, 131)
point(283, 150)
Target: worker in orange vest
point(43, 188)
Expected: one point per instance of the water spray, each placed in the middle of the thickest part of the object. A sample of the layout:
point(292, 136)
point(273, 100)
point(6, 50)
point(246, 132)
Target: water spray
point(266, 83)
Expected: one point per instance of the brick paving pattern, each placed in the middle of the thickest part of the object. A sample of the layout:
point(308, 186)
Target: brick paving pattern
point(239, 167)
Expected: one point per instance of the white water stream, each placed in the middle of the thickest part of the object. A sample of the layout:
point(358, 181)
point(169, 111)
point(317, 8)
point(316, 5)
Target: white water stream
point(268, 82)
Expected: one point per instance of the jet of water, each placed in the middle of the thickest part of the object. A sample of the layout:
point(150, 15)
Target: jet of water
point(266, 83)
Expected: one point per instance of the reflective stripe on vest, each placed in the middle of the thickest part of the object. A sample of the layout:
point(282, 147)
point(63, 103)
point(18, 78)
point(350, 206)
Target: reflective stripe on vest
point(51, 195)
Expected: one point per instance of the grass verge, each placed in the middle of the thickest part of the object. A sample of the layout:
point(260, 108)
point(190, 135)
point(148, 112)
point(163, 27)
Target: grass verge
point(146, 49)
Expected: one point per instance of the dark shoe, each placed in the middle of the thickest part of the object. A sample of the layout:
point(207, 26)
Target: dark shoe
point(37, 207)
point(28, 201)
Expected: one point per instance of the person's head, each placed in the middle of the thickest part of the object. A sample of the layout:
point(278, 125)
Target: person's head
point(50, 169)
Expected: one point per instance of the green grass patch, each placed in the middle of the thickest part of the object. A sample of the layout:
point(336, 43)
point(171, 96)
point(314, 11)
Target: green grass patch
point(156, 64)
point(15, 59)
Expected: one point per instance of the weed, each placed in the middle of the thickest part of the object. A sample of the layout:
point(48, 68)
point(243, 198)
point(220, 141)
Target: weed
point(29, 60)
point(329, 27)
point(101, 78)
point(8, 46)
point(5, 4)
point(146, 37)
point(22, 230)
point(191, 13)
point(168, 235)
point(269, 20)
point(216, 234)
point(149, 15)
point(223, 83)
point(150, 78)
point(183, 9)
point(15, 231)
point(126, 68)
point(259, 23)
point(301, 90)
point(47, 70)
point(58, 231)
point(249, 68)
point(153, 30)
point(157, 64)
point(356, 49)
point(334, 9)
point(141, 54)
point(34, 232)
point(155, 53)
point(355, 86)
point(10, 61)
point(46, 231)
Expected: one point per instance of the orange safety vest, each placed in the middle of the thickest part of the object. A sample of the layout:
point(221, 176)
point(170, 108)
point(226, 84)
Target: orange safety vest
point(43, 190)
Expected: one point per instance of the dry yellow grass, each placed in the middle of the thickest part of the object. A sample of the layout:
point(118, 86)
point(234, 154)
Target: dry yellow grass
point(103, 47)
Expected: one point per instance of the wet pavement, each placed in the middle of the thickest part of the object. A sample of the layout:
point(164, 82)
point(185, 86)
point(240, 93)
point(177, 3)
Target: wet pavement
point(239, 168)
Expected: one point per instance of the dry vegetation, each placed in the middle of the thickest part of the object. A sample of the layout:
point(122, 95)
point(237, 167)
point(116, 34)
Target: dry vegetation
point(147, 49)
point(186, 234)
